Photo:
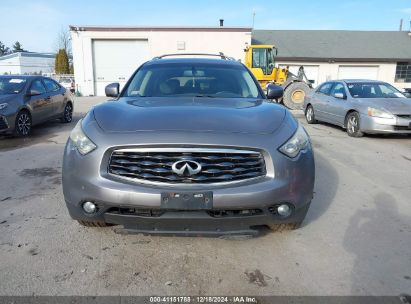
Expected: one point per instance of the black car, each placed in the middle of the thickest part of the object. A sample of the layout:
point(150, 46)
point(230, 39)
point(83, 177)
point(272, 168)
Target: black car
point(29, 100)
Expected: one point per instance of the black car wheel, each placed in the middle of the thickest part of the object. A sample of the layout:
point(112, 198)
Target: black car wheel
point(68, 113)
point(23, 124)
point(353, 125)
point(309, 115)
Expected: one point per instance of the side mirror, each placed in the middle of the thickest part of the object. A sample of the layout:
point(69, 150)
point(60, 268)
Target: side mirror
point(339, 95)
point(407, 94)
point(33, 93)
point(274, 91)
point(112, 89)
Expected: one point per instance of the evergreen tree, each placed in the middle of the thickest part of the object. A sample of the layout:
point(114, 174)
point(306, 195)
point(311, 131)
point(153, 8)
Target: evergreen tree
point(4, 50)
point(17, 47)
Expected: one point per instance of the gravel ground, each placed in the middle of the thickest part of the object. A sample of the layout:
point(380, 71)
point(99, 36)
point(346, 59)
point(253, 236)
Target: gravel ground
point(354, 241)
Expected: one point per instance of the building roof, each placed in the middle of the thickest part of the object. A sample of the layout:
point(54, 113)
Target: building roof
point(28, 54)
point(159, 28)
point(324, 45)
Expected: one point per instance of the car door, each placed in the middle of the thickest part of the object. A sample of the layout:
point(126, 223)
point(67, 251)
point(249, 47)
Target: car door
point(56, 94)
point(40, 103)
point(320, 100)
point(337, 103)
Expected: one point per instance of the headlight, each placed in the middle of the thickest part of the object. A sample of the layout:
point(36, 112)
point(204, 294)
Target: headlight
point(299, 141)
point(379, 113)
point(3, 105)
point(83, 144)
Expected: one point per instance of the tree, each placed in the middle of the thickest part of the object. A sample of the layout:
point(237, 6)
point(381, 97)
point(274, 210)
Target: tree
point(4, 50)
point(63, 40)
point(61, 65)
point(17, 47)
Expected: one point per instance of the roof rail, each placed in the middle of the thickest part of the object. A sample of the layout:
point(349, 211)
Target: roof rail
point(221, 55)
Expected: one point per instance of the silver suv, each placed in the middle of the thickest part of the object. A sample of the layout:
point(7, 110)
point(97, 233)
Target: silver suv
point(191, 146)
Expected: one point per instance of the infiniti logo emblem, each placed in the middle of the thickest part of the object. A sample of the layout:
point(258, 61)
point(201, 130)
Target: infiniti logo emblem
point(186, 167)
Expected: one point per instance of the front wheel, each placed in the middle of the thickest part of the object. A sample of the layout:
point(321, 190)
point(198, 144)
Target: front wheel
point(68, 113)
point(353, 125)
point(23, 124)
point(309, 115)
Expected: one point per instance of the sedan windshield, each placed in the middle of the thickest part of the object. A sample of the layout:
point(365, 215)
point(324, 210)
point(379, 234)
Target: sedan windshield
point(373, 90)
point(11, 85)
point(192, 80)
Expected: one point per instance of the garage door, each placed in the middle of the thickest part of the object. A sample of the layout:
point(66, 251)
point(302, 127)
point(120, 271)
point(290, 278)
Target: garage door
point(310, 70)
point(358, 72)
point(116, 60)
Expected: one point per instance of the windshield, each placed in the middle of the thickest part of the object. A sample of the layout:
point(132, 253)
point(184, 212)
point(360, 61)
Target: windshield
point(11, 85)
point(373, 90)
point(193, 80)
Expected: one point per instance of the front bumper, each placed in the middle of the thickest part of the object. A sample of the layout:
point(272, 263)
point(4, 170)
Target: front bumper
point(288, 180)
point(398, 125)
point(6, 124)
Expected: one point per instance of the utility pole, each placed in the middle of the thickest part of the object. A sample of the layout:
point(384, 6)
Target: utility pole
point(253, 18)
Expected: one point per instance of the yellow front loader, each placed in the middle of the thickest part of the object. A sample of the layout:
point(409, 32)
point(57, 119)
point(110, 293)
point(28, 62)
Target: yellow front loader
point(260, 59)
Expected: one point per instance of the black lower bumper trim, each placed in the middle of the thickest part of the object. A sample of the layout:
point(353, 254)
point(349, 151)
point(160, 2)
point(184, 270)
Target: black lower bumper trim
point(193, 223)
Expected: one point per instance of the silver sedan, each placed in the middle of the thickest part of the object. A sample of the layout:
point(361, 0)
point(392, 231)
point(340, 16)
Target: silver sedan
point(360, 106)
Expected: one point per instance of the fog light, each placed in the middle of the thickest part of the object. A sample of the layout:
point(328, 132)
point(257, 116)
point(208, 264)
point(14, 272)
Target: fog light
point(284, 210)
point(89, 207)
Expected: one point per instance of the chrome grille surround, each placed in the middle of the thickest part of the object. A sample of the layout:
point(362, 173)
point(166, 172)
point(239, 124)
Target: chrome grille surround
point(219, 166)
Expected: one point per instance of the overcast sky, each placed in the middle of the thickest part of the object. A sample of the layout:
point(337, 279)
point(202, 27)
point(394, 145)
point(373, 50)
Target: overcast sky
point(36, 23)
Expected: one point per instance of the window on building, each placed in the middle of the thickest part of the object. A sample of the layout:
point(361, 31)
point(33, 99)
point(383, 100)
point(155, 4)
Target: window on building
point(403, 72)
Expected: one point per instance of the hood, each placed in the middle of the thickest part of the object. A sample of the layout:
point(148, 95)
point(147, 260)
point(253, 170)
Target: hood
point(189, 115)
point(392, 105)
point(7, 97)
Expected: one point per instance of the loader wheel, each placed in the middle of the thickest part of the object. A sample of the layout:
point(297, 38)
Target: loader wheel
point(294, 95)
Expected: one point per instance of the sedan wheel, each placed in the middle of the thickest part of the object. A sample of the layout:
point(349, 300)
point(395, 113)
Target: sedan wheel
point(68, 113)
point(309, 115)
point(353, 125)
point(23, 124)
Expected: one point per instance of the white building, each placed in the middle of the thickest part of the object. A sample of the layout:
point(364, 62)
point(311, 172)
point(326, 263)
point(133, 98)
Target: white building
point(328, 55)
point(27, 63)
point(103, 55)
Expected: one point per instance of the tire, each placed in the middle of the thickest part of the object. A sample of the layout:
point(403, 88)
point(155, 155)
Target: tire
point(68, 113)
point(284, 227)
point(23, 124)
point(353, 125)
point(309, 115)
point(294, 95)
point(93, 224)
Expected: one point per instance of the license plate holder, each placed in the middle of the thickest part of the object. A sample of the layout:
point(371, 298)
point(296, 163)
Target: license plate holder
point(187, 200)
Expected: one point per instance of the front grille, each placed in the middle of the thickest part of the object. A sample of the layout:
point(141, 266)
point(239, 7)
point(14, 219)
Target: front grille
point(3, 123)
point(217, 166)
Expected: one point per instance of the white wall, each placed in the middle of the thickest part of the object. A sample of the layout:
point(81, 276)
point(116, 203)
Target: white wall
point(30, 65)
point(159, 43)
point(21, 64)
point(329, 71)
point(10, 65)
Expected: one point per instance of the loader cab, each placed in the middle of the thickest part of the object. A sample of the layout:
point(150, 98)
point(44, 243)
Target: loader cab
point(260, 59)
point(263, 58)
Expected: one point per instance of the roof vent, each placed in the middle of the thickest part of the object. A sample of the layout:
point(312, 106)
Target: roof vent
point(221, 22)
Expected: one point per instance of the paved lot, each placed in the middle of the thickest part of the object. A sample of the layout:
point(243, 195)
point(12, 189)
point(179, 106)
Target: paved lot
point(355, 240)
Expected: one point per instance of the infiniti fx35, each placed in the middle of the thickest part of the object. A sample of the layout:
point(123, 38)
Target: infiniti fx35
point(191, 146)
